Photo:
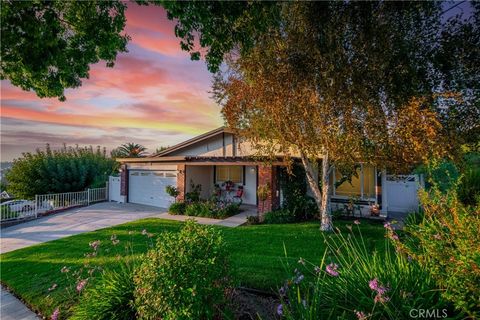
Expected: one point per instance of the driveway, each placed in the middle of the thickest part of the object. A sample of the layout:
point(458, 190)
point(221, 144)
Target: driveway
point(75, 221)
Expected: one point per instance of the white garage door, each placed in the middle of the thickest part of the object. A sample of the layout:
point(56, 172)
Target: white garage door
point(148, 187)
point(402, 193)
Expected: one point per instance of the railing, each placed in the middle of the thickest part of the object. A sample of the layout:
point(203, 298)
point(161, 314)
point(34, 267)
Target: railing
point(44, 203)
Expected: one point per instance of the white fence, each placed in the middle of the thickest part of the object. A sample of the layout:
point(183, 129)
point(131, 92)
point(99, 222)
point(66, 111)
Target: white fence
point(44, 203)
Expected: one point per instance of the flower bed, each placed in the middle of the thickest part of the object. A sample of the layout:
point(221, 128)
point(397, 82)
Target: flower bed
point(207, 209)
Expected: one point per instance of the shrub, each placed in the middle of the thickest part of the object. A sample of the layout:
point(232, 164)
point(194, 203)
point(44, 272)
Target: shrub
point(110, 298)
point(278, 216)
point(198, 209)
point(184, 277)
point(177, 208)
point(194, 194)
point(172, 191)
point(253, 220)
point(446, 242)
point(352, 283)
point(469, 186)
point(226, 210)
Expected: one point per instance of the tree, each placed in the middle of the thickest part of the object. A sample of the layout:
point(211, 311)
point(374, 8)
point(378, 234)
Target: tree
point(161, 148)
point(47, 46)
point(56, 171)
point(129, 150)
point(345, 82)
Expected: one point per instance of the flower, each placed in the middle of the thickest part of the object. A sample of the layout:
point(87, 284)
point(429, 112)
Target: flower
point(280, 310)
point(437, 237)
point(283, 290)
point(299, 279)
point(395, 236)
point(130, 232)
point(380, 298)
point(304, 303)
point(115, 242)
point(373, 284)
point(53, 287)
point(94, 244)
point(301, 261)
point(360, 315)
point(332, 269)
point(55, 314)
point(317, 269)
point(65, 270)
point(144, 232)
point(113, 237)
point(81, 285)
point(349, 227)
point(357, 222)
point(387, 225)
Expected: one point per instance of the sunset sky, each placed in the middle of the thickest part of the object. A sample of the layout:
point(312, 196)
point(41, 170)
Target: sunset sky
point(154, 96)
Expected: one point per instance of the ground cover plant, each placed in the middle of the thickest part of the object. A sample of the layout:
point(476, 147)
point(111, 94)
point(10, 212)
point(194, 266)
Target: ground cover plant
point(256, 253)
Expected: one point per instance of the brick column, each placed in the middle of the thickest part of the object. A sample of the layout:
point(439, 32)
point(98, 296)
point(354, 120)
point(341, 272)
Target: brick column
point(267, 175)
point(124, 181)
point(181, 175)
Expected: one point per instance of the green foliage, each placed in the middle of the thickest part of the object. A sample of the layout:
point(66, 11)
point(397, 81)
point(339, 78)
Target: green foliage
point(240, 25)
point(194, 194)
point(444, 174)
point(279, 216)
point(184, 276)
point(177, 208)
point(172, 191)
point(129, 150)
point(66, 170)
point(110, 298)
point(469, 186)
point(199, 209)
point(446, 243)
point(48, 46)
point(295, 198)
point(251, 220)
point(211, 209)
point(342, 289)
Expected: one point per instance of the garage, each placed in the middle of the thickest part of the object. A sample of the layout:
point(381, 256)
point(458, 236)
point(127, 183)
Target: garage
point(148, 187)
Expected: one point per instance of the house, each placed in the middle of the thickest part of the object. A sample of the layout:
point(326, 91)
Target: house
point(219, 155)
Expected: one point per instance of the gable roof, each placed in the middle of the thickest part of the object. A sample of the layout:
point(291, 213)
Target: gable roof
point(192, 141)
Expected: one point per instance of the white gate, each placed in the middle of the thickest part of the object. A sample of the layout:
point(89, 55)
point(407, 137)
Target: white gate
point(114, 189)
point(402, 193)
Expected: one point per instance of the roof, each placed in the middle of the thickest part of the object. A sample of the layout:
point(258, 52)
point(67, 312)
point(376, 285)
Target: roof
point(194, 140)
point(200, 160)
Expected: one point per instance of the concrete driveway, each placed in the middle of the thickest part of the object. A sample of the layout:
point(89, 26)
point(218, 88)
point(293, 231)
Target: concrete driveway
point(75, 221)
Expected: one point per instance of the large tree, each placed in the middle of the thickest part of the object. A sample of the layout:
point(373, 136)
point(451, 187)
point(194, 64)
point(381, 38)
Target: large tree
point(346, 82)
point(48, 46)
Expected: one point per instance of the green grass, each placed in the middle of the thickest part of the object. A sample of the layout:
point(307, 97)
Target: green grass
point(257, 255)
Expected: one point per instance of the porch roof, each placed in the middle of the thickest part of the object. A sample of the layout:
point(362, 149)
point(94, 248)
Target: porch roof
point(202, 160)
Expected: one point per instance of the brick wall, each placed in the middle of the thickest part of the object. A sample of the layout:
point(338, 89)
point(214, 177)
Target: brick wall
point(124, 180)
point(267, 175)
point(181, 173)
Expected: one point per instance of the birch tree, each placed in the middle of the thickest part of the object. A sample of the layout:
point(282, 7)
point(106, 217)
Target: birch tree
point(343, 82)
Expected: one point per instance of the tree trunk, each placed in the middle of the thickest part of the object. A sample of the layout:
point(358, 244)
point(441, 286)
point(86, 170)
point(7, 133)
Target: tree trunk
point(321, 197)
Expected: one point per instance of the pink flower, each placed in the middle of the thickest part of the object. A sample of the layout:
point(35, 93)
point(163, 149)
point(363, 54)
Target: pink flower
point(357, 222)
point(94, 245)
point(81, 285)
point(360, 315)
point(395, 236)
point(332, 269)
point(437, 237)
point(373, 284)
point(380, 298)
point(55, 314)
point(387, 225)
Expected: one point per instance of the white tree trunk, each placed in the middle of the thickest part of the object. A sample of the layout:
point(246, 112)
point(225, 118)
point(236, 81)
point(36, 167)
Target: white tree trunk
point(321, 197)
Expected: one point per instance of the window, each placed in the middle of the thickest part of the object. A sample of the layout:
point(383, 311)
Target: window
point(233, 173)
point(362, 186)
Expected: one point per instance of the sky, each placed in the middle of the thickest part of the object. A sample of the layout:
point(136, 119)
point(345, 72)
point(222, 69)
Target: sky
point(154, 95)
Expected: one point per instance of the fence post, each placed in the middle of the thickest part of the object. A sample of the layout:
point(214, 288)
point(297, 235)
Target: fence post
point(88, 197)
point(107, 192)
point(36, 205)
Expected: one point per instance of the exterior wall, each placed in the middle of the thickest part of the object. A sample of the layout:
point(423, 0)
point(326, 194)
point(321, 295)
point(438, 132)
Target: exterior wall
point(181, 175)
point(200, 175)
point(124, 182)
point(151, 166)
point(267, 175)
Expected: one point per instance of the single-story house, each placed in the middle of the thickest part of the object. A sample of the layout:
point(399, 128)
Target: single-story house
point(218, 156)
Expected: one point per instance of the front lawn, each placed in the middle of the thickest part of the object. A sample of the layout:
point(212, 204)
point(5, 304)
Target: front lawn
point(257, 255)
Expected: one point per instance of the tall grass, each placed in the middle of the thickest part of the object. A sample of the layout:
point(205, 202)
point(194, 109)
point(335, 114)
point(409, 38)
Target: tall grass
point(352, 283)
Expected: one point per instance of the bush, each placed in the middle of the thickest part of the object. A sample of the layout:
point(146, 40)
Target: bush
point(352, 283)
point(177, 208)
point(110, 298)
point(198, 209)
point(184, 277)
point(278, 216)
point(172, 191)
point(446, 242)
point(469, 187)
point(223, 211)
point(251, 220)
